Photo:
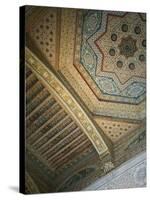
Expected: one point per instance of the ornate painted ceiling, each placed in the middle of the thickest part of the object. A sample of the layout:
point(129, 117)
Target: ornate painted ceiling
point(85, 95)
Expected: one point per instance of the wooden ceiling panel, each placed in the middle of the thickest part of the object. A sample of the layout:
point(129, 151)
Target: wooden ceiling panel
point(85, 111)
point(51, 132)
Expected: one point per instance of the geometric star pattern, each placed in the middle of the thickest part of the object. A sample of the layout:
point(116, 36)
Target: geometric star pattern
point(100, 58)
point(113, 54)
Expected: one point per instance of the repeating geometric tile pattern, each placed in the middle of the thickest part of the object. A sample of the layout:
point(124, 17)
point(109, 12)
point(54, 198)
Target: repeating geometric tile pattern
point(113, 52)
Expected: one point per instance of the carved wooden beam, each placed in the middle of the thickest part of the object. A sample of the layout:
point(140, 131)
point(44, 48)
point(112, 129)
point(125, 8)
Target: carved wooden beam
point(64, 96)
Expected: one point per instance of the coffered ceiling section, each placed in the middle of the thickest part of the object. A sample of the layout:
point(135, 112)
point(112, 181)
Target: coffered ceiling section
point(113, 53)
point(58, 137)
point(51, 131)
point(108, 54)
point(101, 53)
point(85, 94)
point(66, 99)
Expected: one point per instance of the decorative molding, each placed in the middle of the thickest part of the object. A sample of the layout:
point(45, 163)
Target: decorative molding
point(108, 166)
point(68, 101)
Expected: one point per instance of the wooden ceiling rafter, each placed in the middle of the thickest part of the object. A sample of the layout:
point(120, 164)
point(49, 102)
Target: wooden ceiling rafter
point(87, 126)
